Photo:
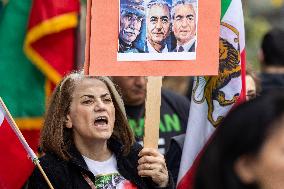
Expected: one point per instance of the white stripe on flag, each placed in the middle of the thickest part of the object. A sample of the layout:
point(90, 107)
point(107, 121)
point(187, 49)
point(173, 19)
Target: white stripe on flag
point(1, 116)
point(198, 130)
point(16, 130)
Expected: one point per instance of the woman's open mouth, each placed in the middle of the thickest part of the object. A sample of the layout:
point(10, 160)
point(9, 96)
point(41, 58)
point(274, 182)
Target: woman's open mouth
point(101, 121)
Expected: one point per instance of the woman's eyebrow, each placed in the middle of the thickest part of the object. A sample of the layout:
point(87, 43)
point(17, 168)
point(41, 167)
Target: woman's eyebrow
point(93, 97)
point(89, 96)
point(104, 95)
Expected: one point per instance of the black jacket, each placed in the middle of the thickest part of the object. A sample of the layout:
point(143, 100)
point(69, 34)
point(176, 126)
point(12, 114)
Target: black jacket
point(68, 174)
point(173, 155)
point(271, 82)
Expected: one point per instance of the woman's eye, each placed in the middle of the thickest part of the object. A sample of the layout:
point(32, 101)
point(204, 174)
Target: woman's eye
point(107, 100)
point(87, 102)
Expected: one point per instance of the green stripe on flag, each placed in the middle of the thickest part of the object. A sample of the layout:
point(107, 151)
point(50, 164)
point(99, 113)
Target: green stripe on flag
point(21, 83)
point(224, 7)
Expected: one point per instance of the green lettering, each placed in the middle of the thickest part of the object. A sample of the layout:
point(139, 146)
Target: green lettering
point(162, 127)
point(132, 124)
point(172, 122)
point(141, 127)
point(137, 126)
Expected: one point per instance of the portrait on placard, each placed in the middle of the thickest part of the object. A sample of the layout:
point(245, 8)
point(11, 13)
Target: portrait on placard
point(155, 37)
point(157, 30)
point(131, 26)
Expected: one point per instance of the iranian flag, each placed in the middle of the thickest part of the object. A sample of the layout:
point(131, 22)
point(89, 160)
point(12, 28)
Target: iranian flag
point(16, 166)
point(213, 97)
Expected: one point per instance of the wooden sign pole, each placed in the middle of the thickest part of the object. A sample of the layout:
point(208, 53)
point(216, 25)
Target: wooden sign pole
point(88, 36)
point(152, 112)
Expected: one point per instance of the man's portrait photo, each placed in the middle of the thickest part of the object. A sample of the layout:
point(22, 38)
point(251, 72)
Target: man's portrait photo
point(131, 19)
point(158, 22)
point(157, 30)
point(184, 25)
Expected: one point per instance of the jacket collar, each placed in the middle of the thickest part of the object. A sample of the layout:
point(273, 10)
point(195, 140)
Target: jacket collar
point(114, 145)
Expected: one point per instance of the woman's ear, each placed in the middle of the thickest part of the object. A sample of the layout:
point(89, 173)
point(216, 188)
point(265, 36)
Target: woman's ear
point(245, 169)
point(68, 122)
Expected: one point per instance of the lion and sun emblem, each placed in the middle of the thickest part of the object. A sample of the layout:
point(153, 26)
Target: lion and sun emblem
point(211, 88)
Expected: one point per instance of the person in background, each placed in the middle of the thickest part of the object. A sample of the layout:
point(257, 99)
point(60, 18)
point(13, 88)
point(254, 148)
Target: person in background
point(246, 151)
point(179, 84)
point(252, 84)
point(174, 109)
point(271, 57)
point(88, 143)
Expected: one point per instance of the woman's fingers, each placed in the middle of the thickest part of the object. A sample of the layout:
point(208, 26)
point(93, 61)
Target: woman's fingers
point(151, 159)
point(155, 166)
point(150, 152)
point(158, 173)
point(152, 164)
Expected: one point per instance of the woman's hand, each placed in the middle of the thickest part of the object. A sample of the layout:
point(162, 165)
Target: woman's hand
point(152, 164)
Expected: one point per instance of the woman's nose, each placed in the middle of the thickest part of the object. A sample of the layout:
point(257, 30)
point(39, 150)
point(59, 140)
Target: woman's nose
point(99, 105)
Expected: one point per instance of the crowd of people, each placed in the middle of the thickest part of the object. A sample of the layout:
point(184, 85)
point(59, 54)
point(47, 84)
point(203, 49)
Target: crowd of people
point(93, 128)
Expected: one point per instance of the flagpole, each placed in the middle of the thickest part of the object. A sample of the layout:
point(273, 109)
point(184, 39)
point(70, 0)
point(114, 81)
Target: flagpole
point(24, 142)
point(88, 35)
point(43, 174)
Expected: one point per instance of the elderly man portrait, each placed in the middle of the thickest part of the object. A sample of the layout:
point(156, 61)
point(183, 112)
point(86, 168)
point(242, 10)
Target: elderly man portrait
point(158, 26)
point(131, 18)
point(184, 25)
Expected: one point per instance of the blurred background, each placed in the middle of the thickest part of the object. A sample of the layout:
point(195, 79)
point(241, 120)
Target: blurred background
point(26, 80)
point(260, 16)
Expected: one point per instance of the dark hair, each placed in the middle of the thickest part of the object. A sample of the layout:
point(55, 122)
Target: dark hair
point(57, 138)
point(243, 132)
point(273, 48)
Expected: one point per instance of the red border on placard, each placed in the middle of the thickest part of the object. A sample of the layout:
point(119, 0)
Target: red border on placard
point(104, 42)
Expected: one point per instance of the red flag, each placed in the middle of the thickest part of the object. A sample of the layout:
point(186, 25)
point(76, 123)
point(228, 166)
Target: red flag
point(50, 41)
point(16, 166)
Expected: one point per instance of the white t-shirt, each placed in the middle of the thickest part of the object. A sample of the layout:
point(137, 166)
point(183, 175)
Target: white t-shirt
point(107, 175)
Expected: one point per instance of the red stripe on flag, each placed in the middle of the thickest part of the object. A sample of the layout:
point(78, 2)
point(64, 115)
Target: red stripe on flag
point(243, 67)
point(44, 10)
point(242, 97)
point(188, 179)
point(51, 37)
point(58, 49)
point(16, 167)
